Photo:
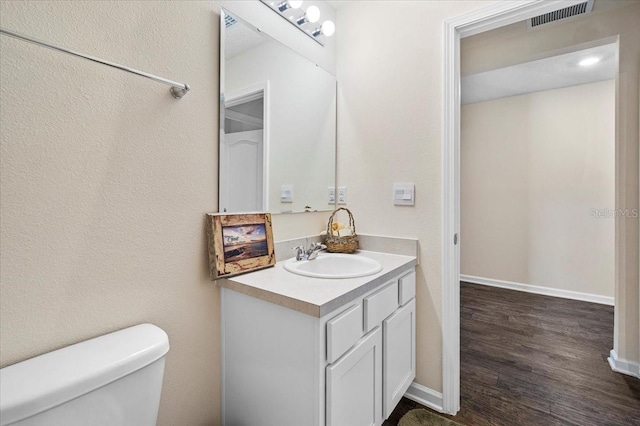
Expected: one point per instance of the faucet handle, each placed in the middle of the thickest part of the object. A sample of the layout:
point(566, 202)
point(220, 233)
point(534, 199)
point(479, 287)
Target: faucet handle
point(300, 252)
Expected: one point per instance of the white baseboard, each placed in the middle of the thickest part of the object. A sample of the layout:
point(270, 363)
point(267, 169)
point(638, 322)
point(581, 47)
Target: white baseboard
point(425, 396)
point(547, 291)
point(624, 366)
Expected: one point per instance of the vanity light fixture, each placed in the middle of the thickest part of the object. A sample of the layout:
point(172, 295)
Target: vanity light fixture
point(289, 4)
point(587, 62)
point(310, 15)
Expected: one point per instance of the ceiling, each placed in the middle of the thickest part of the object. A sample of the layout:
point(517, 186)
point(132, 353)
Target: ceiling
point(545, 74)
point(241, 37)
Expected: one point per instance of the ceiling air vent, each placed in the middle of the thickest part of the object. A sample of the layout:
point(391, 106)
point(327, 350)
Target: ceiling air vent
point(229, 20)
point(567, 12)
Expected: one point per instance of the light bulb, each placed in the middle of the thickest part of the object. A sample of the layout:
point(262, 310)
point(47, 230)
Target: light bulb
point(328, 28)
point(313, 14)
point(291, 4)
point(587, 62)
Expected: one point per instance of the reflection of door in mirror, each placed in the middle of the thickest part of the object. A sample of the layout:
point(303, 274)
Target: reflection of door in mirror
point(242, 154)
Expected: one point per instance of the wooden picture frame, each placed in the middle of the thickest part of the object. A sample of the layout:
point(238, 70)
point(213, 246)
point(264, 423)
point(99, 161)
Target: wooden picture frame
point(239, 243)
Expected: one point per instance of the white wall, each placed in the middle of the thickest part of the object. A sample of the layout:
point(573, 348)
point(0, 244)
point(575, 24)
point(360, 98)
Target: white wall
point(536, 170)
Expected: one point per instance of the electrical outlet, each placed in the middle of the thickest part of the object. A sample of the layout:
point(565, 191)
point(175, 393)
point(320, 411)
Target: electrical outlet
point(342, 195)
point(332, 195)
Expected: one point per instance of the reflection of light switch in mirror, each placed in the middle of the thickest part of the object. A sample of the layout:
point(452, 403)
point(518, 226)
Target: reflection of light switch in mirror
point(286, 194)
point(332, 195)
point(404, 194)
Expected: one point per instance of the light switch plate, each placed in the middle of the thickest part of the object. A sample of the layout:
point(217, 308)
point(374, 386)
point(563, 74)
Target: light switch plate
point(404, 194)
point(286, 194)
point(332, 195)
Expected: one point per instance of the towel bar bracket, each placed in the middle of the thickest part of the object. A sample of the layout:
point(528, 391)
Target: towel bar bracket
point(179, 92)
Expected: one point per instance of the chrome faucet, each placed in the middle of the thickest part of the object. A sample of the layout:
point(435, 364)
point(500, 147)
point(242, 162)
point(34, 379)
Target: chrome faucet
point(311, 253)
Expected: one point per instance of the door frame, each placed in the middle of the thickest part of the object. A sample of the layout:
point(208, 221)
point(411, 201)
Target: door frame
point(245, 95)
point(481, 20)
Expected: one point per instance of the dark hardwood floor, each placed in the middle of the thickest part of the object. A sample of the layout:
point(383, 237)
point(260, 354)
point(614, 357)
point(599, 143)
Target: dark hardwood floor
point(527, 359)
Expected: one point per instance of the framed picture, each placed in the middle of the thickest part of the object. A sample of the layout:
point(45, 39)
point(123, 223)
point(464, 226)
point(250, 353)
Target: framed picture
point(239, 243)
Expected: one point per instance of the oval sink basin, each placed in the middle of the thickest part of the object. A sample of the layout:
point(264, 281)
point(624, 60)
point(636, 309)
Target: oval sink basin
point(334, 265)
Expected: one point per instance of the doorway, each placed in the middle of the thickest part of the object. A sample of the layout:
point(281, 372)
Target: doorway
point(492, 17)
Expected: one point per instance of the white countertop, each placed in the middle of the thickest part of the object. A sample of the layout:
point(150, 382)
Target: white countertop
point(316, 296)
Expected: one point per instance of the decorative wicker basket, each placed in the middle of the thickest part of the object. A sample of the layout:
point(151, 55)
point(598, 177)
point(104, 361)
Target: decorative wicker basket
point(344, 244)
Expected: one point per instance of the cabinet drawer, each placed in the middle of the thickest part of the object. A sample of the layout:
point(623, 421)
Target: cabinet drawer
point(380, 305)
point(407, 287)
point(343, 332)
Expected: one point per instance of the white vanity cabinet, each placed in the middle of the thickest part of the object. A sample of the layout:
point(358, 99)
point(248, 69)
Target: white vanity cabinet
point(349, 367)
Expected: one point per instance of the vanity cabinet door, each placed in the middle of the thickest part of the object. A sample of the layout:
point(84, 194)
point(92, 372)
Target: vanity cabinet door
point(399, 363)
point(354, 385)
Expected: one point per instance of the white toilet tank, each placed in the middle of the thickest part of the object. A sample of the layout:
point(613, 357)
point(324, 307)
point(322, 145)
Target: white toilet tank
point(112, 380)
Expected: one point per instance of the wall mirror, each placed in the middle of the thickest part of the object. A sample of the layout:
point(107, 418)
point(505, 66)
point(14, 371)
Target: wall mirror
point(277, 125)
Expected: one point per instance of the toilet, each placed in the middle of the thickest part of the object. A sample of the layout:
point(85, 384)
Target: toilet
point(112, 380)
